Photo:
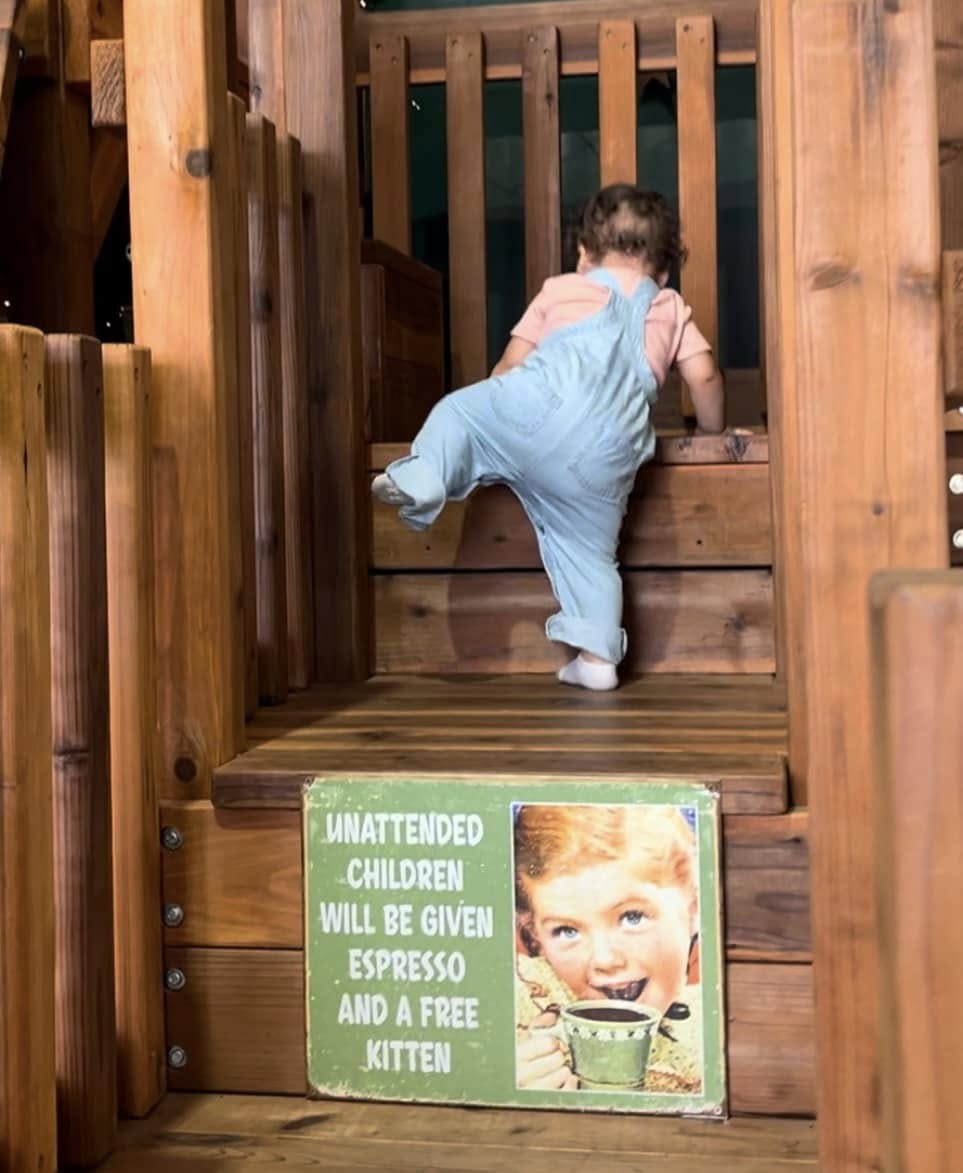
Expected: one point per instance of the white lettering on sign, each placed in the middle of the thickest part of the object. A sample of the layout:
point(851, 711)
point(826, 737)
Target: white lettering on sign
point(405, 965)
point(362, 1010)
point(456, 1013)
point(408, 1055)
point(425, 829)
point(405, 875)
point(457, 920)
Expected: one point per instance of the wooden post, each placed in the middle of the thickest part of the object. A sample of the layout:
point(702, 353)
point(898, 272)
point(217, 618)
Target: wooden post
point(86, 1040)
point(390, 181)
point(543, 178)
point(11, 31)
point(28, 1122)
point(917, 685)
point(302, 78)
point(181, 232)
point(948, 29)
point(296, 421)
point(262, 209)
point(468, 283)
point(618, 102)
point(133, 739)
point(854, 496)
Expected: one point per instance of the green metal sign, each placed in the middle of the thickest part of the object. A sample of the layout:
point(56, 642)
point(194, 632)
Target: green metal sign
point(526, 942)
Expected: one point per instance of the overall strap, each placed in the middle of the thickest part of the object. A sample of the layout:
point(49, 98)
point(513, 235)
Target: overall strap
point(608, 279)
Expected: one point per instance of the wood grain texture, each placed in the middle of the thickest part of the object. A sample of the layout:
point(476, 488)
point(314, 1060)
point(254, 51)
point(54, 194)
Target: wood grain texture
point(771, 1062)
point(181, 233)
point(390, 165)
point(266, 387)
point(296, 418)
point(42, 57)
point(465, 138)
point(618, 102)
point(680, 515)
point(28, 1123)
point(233, 865)
point(543, 175)
point(303, 51)
point(948, 33)
point(11, 32)
point(695, 41)
point(108, 99)
point(83, 24)
point(80, 692)
point(953, 322)
point(244, 488)
point(133, 737)
point(726, 728)
point(108, 179)
point(577, 22)
point(691, 621)
point(917, 638)
point(865, 293)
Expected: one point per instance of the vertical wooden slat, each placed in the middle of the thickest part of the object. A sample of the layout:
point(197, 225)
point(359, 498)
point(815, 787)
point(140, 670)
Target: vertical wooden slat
point(317, 85)
point(618, 102)
point(10, 46)
point(543, 179)
point(84, 22)
point(948, 29)
point(181, 232)
point(262, 210)
point(865, 295)
point(696, 57)
point(390, 167)
point(953, 322)
point(108, 178)
point(237, 126)
point(86, 1039)
point(28, 1123)
point(917, 685)
point(296, 423)
point(468, 282)
point(133, 742)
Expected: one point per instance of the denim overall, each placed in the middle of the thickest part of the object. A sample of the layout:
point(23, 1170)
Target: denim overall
point(567, 431)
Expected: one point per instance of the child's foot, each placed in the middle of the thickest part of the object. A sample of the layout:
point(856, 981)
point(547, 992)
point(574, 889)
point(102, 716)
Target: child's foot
point(387, 492)
point(598, 676)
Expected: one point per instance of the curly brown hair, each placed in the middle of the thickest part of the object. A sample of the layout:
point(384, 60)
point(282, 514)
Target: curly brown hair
point(635, 222)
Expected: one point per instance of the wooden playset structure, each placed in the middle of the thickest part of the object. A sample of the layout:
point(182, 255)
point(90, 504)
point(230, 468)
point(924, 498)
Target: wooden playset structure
point(193, 511)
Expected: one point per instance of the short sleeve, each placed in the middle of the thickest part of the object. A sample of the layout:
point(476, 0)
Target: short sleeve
point(691, 339)
point(531, 325)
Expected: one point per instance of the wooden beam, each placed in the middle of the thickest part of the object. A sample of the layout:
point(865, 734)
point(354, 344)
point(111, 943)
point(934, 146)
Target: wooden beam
point(312, 73)
point(11, 16)
point(391, 178)
point(42, 58)
point(543, 176)
point(86, 1035)
point(108, 179)
point(28, 1123)
point(948, 32)
point(865, 282)
point(108, 99)
point(917, 682)
point(84, 22)
point(953, 325)
point(133, 739)
point(618, 102)
point(181, 233)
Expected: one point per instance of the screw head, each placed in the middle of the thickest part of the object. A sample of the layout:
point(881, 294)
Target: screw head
point(174, 979)
point(171, 838)
point(177, 1056)
point(958, 540)
point(173, 915)
point(956, 484)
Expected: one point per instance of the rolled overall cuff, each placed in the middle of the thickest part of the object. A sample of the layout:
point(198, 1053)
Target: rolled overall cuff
point(607, 642)
point(415, 477)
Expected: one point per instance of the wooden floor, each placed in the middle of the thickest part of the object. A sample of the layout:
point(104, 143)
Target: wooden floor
point(235, 1134)
point(726, 729)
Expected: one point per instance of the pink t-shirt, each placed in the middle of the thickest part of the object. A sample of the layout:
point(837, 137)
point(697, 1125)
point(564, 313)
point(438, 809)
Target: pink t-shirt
point(670, 334)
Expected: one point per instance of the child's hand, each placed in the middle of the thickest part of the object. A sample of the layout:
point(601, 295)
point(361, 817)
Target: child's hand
point(540, 1060)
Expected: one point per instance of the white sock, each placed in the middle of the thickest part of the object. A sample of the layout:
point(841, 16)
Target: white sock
point(585, 674)
point(387, 492)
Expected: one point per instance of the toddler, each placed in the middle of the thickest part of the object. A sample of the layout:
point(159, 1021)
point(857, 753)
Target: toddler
point(564, 419)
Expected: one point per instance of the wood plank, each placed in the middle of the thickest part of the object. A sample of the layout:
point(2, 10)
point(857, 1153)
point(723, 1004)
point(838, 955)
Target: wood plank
point(133, 742)
point(177, 124)
point(577, 21)
point(231, 865)
point(953, 322)
point(313, 70)
point(12, 22)
point(680, 515)
point(868, 355)
point(269, 518)
point(28, 1124)
point(618, 102)
point(468, 281)
point(948, 30)
point(700, 621)
point(80, 691)
point(917, 640)
point(296, 421)
point(695, 39)
point(237, 127)
point(108, 180)
point(84, 23)
point(771, 1062)
point(390, 165)
point(41, 40)
point(543, 177)
point(108, 98)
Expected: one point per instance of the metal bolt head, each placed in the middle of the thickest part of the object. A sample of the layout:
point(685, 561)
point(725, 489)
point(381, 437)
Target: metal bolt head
point(177, 1056)
point(956, 484)
point(958, 540)
point(171, 838)
point(174, 979)
point(173, 915)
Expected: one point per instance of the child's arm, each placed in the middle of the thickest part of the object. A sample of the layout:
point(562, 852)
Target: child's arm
point(707, 389)
point(514, 355)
